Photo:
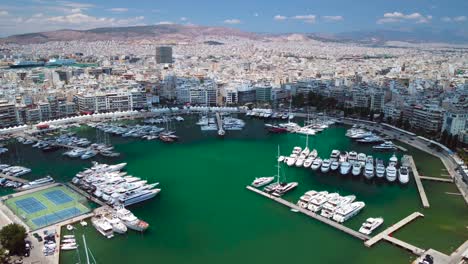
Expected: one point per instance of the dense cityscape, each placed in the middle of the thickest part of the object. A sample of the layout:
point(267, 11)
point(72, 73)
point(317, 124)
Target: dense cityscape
point(270, 140)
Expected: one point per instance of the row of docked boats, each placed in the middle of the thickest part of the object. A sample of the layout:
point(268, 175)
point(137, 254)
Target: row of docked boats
point(277, 188)
point(348, 163)
point(91, 151)
point(366, 137)
point(268, 113)
point(117, 220)
point(331, 205)
point(148, 132)
point(37, 183)
point(14, 171)
point(113, 187)
point(163, 119)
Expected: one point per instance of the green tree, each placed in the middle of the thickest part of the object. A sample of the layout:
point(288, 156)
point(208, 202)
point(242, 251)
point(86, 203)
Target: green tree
point(12, 238)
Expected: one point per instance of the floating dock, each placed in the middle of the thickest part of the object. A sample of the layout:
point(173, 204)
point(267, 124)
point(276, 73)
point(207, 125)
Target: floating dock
point(219, 121)
point(320, 218)
point(415, 250)
point(13, 178)
point(436, 179)
point(391, 229)
point(417, 179)
point(87, 195)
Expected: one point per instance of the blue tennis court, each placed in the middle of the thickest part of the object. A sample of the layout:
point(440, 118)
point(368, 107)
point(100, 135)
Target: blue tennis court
point(30, 205)
point(56, 217)
point(58, 197)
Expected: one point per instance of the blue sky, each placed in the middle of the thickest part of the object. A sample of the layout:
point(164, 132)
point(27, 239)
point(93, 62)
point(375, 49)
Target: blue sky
point(276, 16)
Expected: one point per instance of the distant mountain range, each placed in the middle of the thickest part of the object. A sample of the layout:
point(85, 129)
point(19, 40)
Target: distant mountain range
point(174, 32)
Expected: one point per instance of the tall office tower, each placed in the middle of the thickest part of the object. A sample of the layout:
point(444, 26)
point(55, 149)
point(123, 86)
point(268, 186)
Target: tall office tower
point(163, 54)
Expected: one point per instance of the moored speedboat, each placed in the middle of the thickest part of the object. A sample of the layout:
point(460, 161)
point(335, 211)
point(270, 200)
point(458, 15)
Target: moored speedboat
point(356, 171)
point(403, 175)
point(380, 168)
point(369, 168)
point(345, 167)
point(391, 172)
point(334, 165)
point(370, 225)
point(259, 182)
point(316, 164)
point(325, 166)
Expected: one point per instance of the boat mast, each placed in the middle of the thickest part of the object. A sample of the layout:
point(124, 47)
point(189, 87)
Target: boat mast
point(86, 250)
point(278, 166)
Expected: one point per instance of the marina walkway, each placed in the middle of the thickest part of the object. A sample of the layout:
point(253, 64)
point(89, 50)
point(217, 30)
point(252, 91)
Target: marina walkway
point(417, 179)
point(391, 229)
point(219, 121)
point(320, 218)
point(415, 250)
point(12, 178)
point(87, 195)
point(436, 179)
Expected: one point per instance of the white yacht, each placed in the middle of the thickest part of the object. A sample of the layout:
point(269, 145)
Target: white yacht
point(403, 175)
point(347, 211)
point(317, 202)
point(343, 157)
point(138, 196)
point(369, 168)
point(284, 188)
point(334, 165)
point(259, 182)
point(370, 225)
point(335, 155)
point(345, 167)
point(356, 168)
point(308, 162)
point(305, 199)
point(37, 183)
point(316, 164)
point(380, 168)
point(88, 154)
point(334, 203)
point(130, 220)
point(102, 226)
point(391, 172)
point(394, 159)
point(352, 156)
point(361, 157)
point(313, 154)
point(281, 158)
point(297, 150)
point(325, 166)
point(300, 161)
point(117, 225)
point(291, 160)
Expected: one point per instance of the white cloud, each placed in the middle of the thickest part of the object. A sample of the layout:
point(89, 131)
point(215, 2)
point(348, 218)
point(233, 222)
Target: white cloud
point(255, 14)
point(306, 18)
point(4, 13)
point(40, 22)
point(164, 23)
point(333, 18)
point(118, 9)
point(233, 21)
point(454, 19)
point(397, 17)
point(183, 19)
point(279, 18)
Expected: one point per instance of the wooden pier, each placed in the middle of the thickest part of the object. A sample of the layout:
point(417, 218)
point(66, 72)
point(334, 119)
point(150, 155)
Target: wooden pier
point(391, 229)
point(219, 121)
point(415, 250)
point(436, 179)
point(87, 195)
point(417, 179)
point(320, 218)
point(13, 178)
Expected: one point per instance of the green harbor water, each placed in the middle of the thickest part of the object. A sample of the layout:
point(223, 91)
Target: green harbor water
point(204, 213)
